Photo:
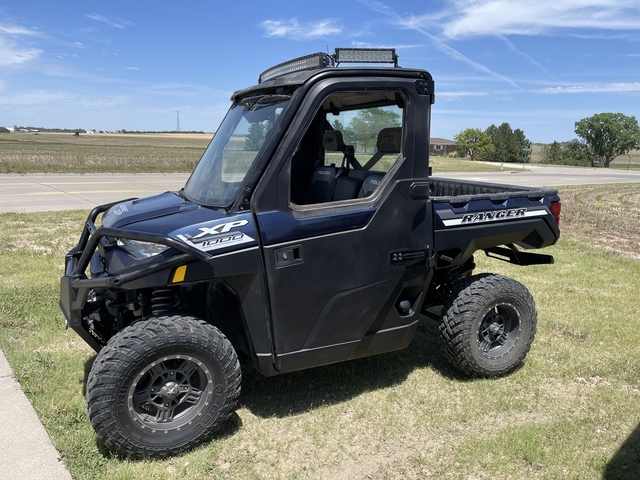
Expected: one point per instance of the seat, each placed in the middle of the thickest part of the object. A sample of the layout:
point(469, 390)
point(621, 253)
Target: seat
point(332, 141)
point(389, 142)
point(324, 178)
point(346, 188)
point(321, 185)
point(370, 184)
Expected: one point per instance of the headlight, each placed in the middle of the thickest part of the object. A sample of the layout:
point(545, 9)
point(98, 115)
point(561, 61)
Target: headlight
point(140, 250)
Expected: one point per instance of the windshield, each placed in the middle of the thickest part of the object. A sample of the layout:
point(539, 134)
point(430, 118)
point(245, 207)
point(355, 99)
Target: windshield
point(233, 150)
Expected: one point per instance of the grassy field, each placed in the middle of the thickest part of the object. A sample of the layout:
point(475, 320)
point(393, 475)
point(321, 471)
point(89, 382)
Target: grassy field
point(457, 165)
point(631, 161)
point(168, 153)
point(572, 410)
point(135, 153)
point(130, 153)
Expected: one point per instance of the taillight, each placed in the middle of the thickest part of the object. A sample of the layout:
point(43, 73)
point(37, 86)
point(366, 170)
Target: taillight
point(556, 208)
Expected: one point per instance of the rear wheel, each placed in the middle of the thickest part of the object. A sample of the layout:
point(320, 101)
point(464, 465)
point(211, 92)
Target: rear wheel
point(161, 386)
point(488, 325)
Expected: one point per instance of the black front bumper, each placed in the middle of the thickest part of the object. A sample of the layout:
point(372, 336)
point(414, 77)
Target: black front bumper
point(75, 286)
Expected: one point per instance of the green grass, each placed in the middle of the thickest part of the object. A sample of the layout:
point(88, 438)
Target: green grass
point(571, 411)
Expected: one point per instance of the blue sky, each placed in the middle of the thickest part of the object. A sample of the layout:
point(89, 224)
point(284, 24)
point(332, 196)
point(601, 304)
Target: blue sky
point(539, 65)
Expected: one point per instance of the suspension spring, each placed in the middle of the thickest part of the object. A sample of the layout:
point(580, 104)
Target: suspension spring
point(163, 300)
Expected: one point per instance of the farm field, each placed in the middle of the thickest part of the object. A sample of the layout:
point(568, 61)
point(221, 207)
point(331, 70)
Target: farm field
point(111, 153)
point(571, 411)
point(133, 153)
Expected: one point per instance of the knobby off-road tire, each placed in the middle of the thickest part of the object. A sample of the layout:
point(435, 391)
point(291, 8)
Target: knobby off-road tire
point(162, 386)
point(488, 325)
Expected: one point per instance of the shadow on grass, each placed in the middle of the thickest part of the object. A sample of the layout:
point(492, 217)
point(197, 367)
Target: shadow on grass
point(298, 392)
point(625, 464)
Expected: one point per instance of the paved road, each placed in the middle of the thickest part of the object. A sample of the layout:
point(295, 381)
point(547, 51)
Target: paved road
point(40, 192)
point(537, 176)
point(37, 192)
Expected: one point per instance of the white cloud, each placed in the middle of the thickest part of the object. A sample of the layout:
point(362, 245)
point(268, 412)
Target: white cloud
point(111, 21)
point(410, 23)
point(516, 50)
point(514, 17)
point(61, 98)
point(459, 95)
point(603, 88)
point(131, 68)
point(298, 31)
point(397, 47)
point(11, 54)
point(36, 97)
point(78, 44)
point(175, 89)
point(17, 30)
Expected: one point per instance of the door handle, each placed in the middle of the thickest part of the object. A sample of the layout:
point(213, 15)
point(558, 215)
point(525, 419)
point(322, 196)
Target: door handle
point(287, 256)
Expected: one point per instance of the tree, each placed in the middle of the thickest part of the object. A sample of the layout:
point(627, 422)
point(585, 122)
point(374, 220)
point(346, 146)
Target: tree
point(337, 125)
point(367, 123)
point(472, 142)
point(609, 135)
point(579, 154)
point(509, 144)
point(552, 153)
point(255, 137)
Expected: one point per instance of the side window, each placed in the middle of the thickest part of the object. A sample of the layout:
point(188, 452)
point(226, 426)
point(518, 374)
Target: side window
point(353, 141)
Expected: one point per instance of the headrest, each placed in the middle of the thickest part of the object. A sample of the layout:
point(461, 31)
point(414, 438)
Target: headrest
point(389, 140)
point(332, 141)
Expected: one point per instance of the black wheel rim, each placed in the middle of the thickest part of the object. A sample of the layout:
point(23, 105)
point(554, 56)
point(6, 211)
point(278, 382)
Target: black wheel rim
point(169, 393)
point(499, 330)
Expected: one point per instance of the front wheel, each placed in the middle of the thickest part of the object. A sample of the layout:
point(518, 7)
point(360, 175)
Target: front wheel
point(488, 325)
point(161, 386)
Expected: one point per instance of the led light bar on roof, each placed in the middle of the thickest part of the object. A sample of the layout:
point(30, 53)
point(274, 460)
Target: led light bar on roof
point(366, 55)
point(309, 62)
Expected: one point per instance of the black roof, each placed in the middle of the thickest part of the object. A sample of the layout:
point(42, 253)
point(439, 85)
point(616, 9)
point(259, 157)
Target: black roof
point(299, 78)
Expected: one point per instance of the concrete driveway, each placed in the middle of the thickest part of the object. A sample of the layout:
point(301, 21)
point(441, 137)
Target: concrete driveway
point(39, 192)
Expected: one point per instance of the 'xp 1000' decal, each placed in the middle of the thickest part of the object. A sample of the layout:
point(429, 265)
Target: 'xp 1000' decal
point(493, 216)
point(218, 236)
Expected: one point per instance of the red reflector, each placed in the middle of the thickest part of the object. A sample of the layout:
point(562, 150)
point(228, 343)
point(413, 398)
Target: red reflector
point(556, 208)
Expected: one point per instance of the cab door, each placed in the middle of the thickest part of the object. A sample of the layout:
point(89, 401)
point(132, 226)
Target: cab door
point(346, 276)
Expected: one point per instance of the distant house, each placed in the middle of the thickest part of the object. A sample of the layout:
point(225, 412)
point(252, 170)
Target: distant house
point(442, 147)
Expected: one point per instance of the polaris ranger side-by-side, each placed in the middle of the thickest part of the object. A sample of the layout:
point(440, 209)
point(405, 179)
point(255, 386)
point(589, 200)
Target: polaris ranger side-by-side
point(310, 232)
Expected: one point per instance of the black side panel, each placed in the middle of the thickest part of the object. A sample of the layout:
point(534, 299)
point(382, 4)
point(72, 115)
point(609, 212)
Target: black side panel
point(454, 246)
point(347, 288)
point(242, 273)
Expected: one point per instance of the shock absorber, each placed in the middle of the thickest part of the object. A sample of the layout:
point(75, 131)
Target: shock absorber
point(163, 300)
